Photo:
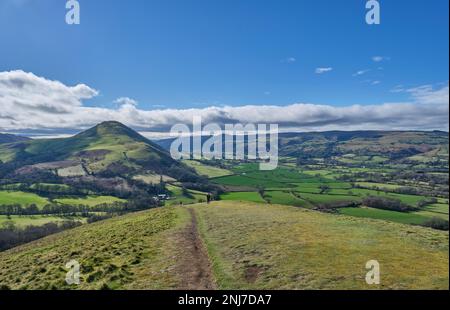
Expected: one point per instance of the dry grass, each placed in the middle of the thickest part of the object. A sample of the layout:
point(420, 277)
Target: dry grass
point(279, 247)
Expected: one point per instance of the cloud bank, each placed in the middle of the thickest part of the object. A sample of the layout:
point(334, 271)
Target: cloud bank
point(29, 103)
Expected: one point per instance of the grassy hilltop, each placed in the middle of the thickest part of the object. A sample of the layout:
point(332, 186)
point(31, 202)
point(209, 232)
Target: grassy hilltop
point(249, 246)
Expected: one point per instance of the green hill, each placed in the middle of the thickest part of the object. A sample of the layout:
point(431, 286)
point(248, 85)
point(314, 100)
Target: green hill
point(108, 147)
point(246, 245)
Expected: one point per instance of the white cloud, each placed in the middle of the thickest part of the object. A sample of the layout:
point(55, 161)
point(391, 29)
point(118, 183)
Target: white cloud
point(34, 104)
point(323, 70)
point(126, 101)
point(375, 82)
point(289, 60)
point(361, 72)
point(21, 90)
point(398, 89)
point(427, 94)
point(380, 58)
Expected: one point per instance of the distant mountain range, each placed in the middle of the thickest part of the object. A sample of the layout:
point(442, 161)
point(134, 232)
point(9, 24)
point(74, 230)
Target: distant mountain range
point(391, 144)
point(112, 148)
point(8, 138)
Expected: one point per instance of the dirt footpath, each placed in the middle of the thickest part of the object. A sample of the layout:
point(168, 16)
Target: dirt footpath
point(195, 267)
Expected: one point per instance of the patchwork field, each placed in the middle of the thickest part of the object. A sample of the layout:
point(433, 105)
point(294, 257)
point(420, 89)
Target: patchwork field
point(314, 188)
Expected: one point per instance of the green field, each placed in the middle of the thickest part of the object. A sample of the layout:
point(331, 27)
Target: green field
point(243, 196)
point(438, 208)
point(243, 180)
point(22, 198)
point(371, 185)
point(325, 199)
point(285, 198)
point(393, 216)
point(90, 201)
point(207, 170)
point(178, 197)
point(153, 178)
point(35, 220)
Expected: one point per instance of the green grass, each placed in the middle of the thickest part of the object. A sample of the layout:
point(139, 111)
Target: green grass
point(206, 170)
point(90, 201)
point(253, 246)
point(325, 199)
point(135, 251)
point(243, 196)
point(371, 185)
point(279, 178)
point(438, 208)
point(393, 216)
point(35, 220)
point(242, 180)
point(22, 198)
point(285, 198)
point(178, 197)
point(153, 178)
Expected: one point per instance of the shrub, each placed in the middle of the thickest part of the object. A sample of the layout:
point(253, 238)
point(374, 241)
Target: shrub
point(437, 223)
point(387, 204)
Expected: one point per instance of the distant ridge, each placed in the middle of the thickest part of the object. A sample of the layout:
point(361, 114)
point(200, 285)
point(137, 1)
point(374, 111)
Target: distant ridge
point(9, 138)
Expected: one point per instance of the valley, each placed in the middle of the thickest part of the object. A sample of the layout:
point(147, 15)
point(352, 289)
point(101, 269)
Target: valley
point(134, 218)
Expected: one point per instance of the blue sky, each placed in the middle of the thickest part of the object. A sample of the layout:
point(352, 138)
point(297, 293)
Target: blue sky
point(182, 54)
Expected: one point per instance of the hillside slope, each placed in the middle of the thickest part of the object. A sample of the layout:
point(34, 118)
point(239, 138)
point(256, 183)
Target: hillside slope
point(136, 251)
point(249, 245)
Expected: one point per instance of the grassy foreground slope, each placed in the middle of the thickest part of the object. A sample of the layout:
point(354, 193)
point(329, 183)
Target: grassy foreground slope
point(249, 245)
point(281, 247)
point(136, 251)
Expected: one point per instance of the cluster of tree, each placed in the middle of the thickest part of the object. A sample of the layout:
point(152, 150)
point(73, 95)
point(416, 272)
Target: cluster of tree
point(44, 189)
point(11, 236)
point(387, 204)
point(426, 202)
point(8, 175)
point(92, 218)
point(333, 206)
point(116, 186)
point(437, 223)
point(408, 190)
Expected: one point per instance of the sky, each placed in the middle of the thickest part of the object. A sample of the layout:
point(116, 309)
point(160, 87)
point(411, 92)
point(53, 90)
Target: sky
point(306, 65)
